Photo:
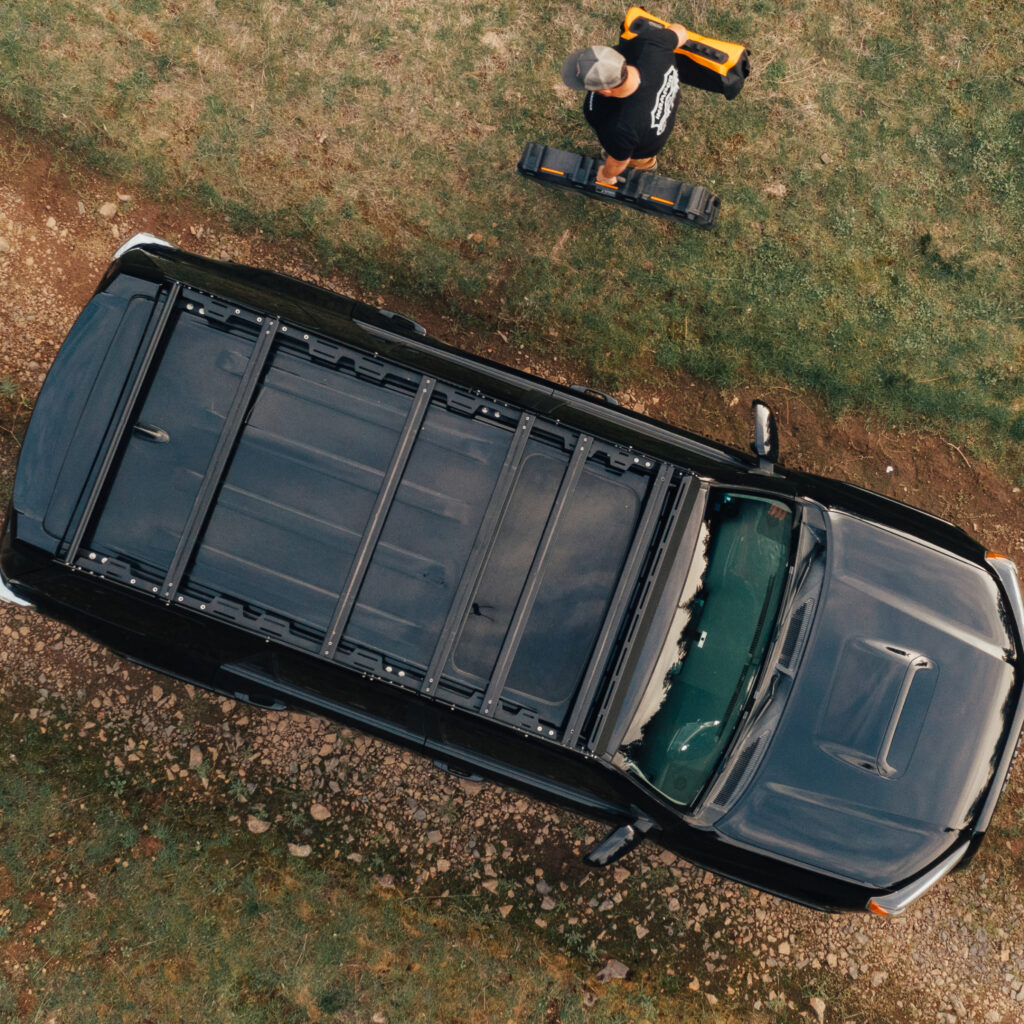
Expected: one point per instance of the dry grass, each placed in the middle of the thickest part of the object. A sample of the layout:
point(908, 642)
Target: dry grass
point(871, 176)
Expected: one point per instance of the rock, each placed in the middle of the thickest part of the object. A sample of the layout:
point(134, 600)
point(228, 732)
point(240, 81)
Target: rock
point(195, 758)
point(818, 1006)
point(385, 881)
point(548, 903)
point(319, 813)
point(777, 190)
point(51, 223)
point(257, 826)
point(641, 931)
point(300, 849)
point(613, 970)
point(157, 692)
point(784, 949)
point(505, 910)
point(621, 874)
point(5, 246)
point(108, 210)
point(825, 158)
point(443, 864)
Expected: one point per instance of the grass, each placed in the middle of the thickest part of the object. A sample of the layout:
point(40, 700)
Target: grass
point(872, 176)
point(137, 905)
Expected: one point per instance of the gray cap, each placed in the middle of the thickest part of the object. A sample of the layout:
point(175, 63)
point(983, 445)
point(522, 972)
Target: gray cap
point(596, 67)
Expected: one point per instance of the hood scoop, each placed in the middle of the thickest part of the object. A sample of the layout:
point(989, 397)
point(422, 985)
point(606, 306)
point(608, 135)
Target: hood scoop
point(878, 699)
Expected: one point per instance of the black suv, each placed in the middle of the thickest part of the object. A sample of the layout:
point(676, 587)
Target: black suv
point(299, 500)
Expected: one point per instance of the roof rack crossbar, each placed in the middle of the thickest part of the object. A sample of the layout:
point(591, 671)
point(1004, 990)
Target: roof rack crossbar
point(220, 459)
point(127, 412)
point(385, 498)
point(623, 591)
point(531, 587)
point(478, 555)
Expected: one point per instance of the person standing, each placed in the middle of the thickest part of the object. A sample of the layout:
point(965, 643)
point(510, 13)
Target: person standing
point(633, 93)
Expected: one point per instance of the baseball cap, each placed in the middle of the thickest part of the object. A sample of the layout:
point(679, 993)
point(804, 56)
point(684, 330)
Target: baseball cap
point(596, 67)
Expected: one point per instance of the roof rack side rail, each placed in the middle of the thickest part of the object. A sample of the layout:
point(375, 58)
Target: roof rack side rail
point(127, 411)
point(385, 498)
point(220, 459)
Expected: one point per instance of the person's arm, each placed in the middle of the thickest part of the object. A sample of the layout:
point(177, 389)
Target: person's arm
point(680, 32)
point(610, 170)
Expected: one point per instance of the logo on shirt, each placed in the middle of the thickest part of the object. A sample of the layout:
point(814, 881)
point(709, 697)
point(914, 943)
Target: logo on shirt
point(665, 101)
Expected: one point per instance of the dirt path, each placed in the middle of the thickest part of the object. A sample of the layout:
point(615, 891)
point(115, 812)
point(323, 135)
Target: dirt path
point(958, 955)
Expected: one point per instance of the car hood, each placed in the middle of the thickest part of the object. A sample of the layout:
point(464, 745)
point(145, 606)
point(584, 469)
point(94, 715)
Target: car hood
point(895, 721)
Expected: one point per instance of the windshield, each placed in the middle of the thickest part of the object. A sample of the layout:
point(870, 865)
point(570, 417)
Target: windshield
point(723, 623)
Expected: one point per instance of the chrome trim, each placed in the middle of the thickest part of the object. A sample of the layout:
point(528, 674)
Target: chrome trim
point(894, 903)
point(1006, 570)
point(142, 238)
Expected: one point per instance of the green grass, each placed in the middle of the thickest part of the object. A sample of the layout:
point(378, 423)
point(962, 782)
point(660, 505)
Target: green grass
point(872, 177)
point(140, 905)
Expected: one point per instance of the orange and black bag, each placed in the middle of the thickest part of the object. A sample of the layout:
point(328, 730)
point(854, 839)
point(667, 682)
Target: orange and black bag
point(703, 63)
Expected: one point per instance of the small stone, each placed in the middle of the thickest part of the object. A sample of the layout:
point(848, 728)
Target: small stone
point(505, 910)
point(108, 210)
point(641, 931)
point(378, 1018)
point(5, 246)
point(825, 158)
point(548, 903)
point(694, 985)
point(613, 970)
point(319, 813)
point(51, 223)
point(777, 190)
point(300, 849)
point(784, 949)
point(621, 874)
point(443, 864)
point(195, 758)
point(818, 1006)
point(257, 825)
point(157, 692)
point(491, 886)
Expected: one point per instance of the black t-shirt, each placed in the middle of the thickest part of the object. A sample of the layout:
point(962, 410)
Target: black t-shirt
point(637, 126)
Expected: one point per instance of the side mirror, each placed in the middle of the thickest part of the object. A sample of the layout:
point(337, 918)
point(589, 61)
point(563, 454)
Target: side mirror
point(765, 442)
point(618, 843)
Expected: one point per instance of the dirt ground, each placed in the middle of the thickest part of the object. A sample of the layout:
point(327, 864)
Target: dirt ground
point(957, 955)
